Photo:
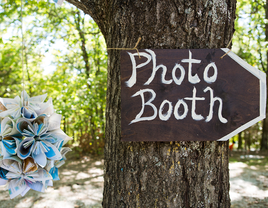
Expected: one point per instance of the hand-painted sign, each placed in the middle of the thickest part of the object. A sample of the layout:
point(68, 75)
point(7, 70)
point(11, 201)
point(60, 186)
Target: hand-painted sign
point(188, 95)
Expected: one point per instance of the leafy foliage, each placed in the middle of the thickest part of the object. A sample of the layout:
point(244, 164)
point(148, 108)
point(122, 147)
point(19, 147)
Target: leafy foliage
point(250, 43)
point(77, 78)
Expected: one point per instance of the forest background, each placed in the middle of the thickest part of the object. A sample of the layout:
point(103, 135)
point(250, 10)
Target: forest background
point(65, 56)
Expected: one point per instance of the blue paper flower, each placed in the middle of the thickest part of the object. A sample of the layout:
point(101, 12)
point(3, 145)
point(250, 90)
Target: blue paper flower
point(42, 138)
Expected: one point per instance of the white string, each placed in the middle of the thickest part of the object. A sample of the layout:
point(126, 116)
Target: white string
point(22, 50)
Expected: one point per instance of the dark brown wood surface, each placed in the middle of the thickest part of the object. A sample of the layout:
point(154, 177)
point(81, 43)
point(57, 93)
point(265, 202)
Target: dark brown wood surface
point(238, 89)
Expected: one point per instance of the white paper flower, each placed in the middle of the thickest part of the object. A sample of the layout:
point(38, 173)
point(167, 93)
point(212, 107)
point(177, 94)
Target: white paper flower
point(24, 175)
point(25, 106)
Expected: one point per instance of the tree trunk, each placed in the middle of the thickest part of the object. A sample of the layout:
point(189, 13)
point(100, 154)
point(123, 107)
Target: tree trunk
point(248, 139)
point(264, 138)
point(161, 174)
point(240, 142)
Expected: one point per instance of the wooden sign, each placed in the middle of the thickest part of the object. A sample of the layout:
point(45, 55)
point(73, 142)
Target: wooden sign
point(188, 95)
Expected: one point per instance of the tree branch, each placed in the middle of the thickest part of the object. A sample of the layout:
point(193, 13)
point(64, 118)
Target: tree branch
point(82, 39)
point(261, 59)
point(80, 5)
point(97, 9)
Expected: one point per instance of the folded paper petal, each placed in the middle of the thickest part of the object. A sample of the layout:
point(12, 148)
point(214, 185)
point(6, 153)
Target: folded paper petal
point(41, 124)
point(37, 186)
point(29, 166)
point(64, 151)
point(28, 112)
point(12, 106)
point(25, 127)
point(3, 173)
point(36, 102)
point(13, 165)
point(1, 147)
point(59, 163)
point(41, 175)
point(54, 122)
point(52, 153)
point(41, 180)
point(59, 145)
point(16, 187)
point(38, 99)
point(54, 173)
point(59, 135)
point(3, 182)
point(40, 159)
point(7, 128)
point(49, 138)
point(24, 98)
point(45, 108)
point(2, 106)
point(49, 183)
point(25, 191)
point(9, 112)
point(25, 148)
point(49, 165)
point(9, 146)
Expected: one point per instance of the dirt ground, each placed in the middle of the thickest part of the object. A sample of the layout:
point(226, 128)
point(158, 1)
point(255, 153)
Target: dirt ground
point(81, 185)
point(249, 180)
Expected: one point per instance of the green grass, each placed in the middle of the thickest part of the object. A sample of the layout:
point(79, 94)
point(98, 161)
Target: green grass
point(258, 160)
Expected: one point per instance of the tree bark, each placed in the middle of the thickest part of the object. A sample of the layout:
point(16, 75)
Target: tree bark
point(161, 174)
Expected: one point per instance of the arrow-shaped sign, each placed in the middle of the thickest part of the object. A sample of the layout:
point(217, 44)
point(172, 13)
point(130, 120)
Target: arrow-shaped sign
point(188, 95)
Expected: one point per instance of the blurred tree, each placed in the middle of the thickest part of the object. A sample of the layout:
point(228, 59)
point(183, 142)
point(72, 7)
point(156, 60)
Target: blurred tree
point(251, 41)
point(240, 141)
point(10, 73)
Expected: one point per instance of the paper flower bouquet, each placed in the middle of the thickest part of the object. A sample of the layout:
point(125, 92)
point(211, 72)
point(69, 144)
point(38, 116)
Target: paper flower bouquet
point(30, 144)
